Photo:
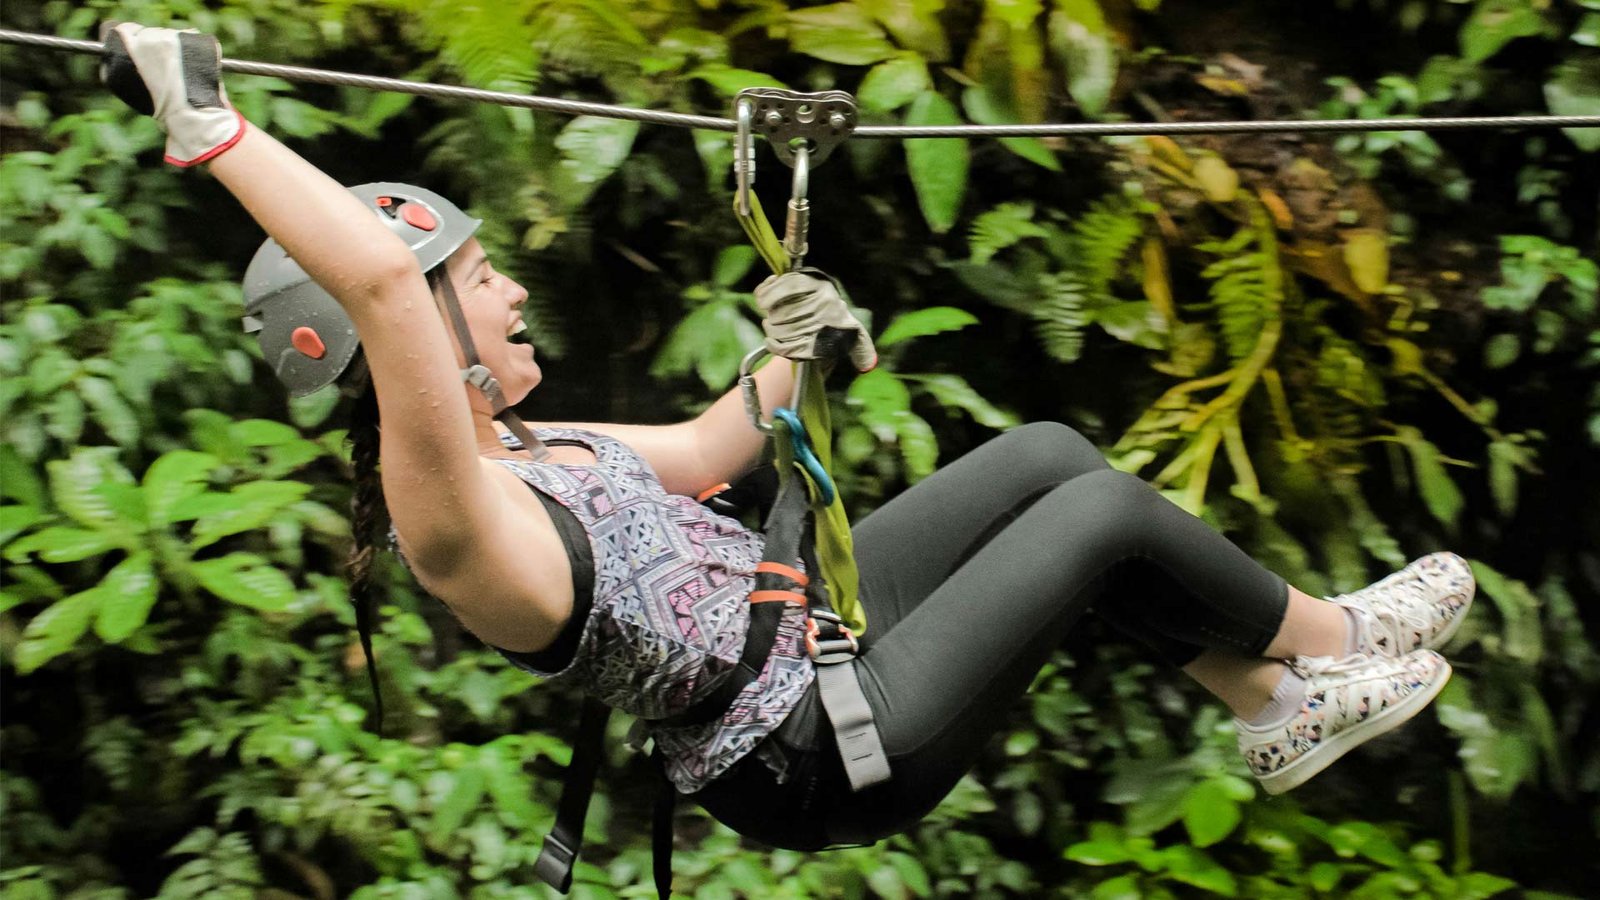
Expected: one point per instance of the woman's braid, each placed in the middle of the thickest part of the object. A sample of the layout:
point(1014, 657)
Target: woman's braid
point(369, 519)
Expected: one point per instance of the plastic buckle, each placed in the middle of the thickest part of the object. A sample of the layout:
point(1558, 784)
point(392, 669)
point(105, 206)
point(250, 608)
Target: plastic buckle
point(480, 377)
point(839, 645)
point(554, 865)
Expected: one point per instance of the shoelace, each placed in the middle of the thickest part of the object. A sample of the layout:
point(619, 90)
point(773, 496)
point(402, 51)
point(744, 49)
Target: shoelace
point(1309, 667)
point(1392, 614)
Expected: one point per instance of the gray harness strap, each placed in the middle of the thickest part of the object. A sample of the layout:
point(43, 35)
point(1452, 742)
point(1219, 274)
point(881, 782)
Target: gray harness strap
point(476, 373)
point(860, 747)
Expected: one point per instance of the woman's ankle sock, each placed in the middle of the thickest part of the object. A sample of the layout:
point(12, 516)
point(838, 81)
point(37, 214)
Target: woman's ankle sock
point(1285, 700)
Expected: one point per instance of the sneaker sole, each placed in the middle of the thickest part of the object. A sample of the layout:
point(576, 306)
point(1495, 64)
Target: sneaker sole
point(1303, 769)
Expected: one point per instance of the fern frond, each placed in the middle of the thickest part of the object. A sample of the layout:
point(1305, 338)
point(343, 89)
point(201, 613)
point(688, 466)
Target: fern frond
point(490, 44)
point(1063, 315)
point(1102, 237)
point(578, 38)
point(1002, 227)
point(1246, 291)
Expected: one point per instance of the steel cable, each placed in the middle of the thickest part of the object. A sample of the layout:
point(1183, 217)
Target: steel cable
point(890, 132)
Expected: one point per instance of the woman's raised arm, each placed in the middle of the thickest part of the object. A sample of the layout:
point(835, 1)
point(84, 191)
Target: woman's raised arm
point(433, 478)
point(438, 490)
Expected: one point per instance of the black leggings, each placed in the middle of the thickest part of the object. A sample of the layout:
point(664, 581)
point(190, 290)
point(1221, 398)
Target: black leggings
point(970, 580)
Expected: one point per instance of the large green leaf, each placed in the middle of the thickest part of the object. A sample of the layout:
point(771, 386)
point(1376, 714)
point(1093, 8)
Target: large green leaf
point(54, 631)
point(1194, 867)
point(18, 480)
point(75, 484)
point(839, 33)
point(457, 794)
point(1521, 637)
point(980, 105)
point(1496, 760)
point(110, 410)
point(894, 83)
point(591, 149)
point(1438, 490)
point(923, 322)
point(938, 165)
point(245, 579)
point(709, 341)
point(128, 593)
point(1575, 91)
point(914, 24)
point(63, 543)
point(954, 392)
point(1495, 23)
point(1209, 813)
point(729, 81)
point(172, 478)
point(1083, 42)
point(249, 506)
point(16, 518)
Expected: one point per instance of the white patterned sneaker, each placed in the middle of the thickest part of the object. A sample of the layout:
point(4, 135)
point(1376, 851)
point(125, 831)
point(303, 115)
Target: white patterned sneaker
point(1347, 702)
point(1421, 605)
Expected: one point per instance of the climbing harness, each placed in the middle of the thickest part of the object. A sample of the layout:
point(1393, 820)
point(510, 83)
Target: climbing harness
point(889, 132)
point(806, 527)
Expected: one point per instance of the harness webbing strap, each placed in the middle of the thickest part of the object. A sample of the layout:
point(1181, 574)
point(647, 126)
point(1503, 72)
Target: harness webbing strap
point(565, 840)
point(860, 747)
point(784, 528)
point(661, 837)
point(834, 546)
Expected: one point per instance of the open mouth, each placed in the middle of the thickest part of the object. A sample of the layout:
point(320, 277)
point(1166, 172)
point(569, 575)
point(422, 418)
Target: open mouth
point(519, 334)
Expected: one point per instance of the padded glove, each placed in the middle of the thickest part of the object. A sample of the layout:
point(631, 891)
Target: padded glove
point(174, 76)
point(805, 316)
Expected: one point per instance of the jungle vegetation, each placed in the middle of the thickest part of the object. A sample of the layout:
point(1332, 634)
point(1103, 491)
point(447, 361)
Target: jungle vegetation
point(1345, 351)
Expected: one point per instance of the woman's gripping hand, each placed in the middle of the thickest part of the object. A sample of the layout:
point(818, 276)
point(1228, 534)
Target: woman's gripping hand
point(805, 317)
point(174, 76)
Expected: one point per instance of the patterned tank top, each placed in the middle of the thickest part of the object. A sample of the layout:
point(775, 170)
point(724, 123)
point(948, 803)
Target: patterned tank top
point(670, 612)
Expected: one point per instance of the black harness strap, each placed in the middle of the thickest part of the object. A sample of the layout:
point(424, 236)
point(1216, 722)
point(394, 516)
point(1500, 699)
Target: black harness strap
point(789, 538)
point(565, 840)
point(785, 529)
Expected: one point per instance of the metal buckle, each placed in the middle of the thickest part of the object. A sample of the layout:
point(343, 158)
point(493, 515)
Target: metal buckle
point(830, 649)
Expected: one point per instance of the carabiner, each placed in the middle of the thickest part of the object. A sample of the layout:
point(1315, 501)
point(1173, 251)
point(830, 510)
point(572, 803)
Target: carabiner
point(804, 455)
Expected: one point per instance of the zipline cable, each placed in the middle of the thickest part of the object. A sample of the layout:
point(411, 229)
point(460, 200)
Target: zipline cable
point(891, 132)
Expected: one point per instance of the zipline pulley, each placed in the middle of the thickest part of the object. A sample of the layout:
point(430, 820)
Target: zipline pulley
point(803, 129)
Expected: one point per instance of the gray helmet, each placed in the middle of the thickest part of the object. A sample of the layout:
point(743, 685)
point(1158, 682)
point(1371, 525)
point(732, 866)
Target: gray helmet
point(304, 333)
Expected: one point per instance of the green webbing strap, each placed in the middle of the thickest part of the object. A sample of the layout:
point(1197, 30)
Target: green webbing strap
point(834, 546)
point(760, 232)
point(835, 550)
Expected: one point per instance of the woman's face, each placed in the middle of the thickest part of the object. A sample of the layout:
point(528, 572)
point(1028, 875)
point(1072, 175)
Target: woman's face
point(492, 304)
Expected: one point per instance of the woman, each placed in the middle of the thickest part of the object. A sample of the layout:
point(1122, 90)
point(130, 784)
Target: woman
point(607, 572)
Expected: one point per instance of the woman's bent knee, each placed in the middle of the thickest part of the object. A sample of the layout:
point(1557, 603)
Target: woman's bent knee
point(1048, 452)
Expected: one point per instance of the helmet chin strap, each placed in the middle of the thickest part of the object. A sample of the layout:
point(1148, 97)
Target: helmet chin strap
point(477, 374)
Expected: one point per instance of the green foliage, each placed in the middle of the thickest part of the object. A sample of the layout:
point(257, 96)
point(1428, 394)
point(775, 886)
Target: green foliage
point(178, 639)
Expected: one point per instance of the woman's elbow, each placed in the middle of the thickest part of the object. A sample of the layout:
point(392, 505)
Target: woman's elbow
point(379, 278)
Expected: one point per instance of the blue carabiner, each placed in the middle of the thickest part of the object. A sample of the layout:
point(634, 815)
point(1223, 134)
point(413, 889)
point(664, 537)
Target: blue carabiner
point(804, 455)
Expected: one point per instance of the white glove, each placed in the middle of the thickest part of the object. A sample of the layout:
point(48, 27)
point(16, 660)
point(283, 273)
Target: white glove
point(174, 76)
point(805, 316)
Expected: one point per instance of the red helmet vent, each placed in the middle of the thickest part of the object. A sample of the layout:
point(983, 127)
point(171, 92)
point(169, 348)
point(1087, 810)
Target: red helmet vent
point(308, 342)
point(417, 216)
